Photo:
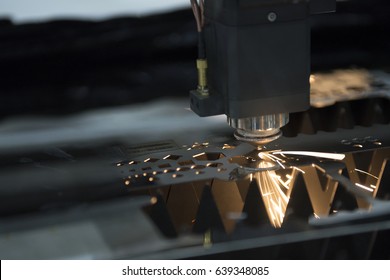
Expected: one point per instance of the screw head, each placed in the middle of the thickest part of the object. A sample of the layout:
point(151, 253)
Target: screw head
point(272, 16)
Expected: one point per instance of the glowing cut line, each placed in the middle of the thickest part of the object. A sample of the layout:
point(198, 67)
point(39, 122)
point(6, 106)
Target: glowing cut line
point(364, 187)
point(312, 154)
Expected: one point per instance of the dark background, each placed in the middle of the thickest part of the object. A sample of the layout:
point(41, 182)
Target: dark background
point(66, 66)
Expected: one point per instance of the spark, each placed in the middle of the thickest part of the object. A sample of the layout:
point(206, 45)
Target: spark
point(298, 169)
point(272, 158)
point(166, 157)
point(271, 213)
point(279, 180)
point(367, 173)
point(364, 187)
point(267, 194)
point(275, 199)
point(284, 183)
point(198, 155)
point(312, 154)
point(275, 157)
point(277, 208)
point(278, 162)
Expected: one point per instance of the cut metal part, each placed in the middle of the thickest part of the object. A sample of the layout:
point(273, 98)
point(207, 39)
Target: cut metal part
point(270, 184)
point(278, 178)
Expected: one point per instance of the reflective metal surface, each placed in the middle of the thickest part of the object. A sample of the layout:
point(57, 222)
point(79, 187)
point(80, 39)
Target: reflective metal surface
point(259, 130)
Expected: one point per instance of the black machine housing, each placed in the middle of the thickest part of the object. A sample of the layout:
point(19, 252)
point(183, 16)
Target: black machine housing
point(258, 54)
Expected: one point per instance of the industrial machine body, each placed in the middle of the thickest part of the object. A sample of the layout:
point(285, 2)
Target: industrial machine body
point(258, 57)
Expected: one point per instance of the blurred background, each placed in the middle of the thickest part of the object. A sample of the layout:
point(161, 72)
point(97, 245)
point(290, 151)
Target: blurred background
point(74, 55)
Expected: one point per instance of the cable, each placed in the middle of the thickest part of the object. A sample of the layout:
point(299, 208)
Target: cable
point(198, 10)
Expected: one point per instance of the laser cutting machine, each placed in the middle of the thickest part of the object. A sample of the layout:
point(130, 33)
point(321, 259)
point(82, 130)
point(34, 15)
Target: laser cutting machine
point(103, 157)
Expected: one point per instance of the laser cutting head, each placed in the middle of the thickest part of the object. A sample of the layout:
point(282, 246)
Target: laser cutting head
point(258, 63)
point(259, 130)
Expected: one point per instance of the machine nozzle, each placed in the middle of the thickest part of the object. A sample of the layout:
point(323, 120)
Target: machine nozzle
point(259, 130)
